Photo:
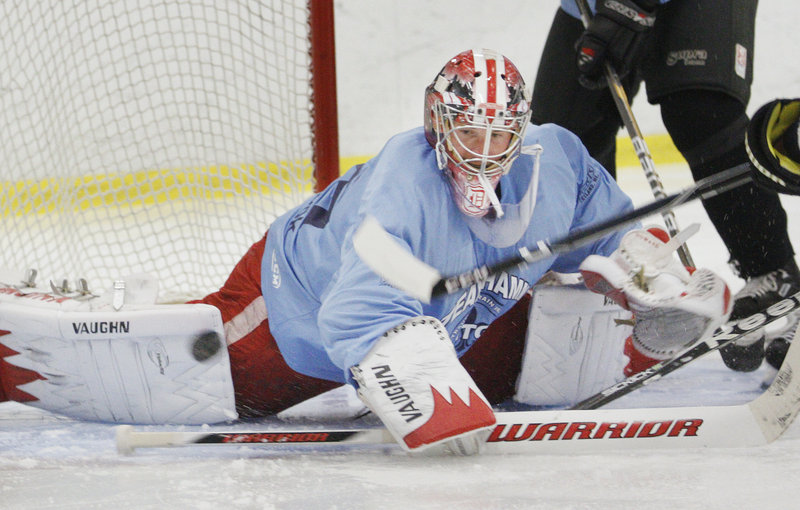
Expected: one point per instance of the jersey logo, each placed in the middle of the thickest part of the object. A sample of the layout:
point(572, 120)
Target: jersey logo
point(503, 285)
point(276, 271)
point(479, 305)
point(693, 57)
point(741, 61)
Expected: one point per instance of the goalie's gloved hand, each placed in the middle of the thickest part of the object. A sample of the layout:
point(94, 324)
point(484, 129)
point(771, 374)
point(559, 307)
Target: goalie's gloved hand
point(772, 145)
point(673, 306)
point(615, 35)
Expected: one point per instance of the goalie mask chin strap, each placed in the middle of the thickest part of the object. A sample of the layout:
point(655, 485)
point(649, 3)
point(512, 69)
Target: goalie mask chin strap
point(504, 231)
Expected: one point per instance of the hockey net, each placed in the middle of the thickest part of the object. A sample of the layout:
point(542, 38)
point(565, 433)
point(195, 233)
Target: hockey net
point(158, 136)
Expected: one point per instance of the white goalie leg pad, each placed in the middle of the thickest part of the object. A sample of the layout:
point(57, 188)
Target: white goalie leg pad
point(143, 363)
point(573, 346)
point(412, 380)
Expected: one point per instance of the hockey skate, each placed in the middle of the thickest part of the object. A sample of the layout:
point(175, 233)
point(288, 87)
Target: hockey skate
point(777, 342)
point(759, 293)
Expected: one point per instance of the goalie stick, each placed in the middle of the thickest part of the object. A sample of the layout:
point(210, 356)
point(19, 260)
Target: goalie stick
point(569, 431)
point(406, 272)
point(639, 145)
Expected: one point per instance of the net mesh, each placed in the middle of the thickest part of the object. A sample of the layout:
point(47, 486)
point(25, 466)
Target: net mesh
point(149, 136)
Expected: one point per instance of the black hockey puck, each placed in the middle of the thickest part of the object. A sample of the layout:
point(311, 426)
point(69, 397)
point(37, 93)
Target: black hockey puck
point(206, 345)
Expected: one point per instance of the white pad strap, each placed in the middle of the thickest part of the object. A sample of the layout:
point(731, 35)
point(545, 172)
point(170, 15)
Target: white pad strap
point(141, 364)
point(413, 381)
point(573, 346)
point(666, 250)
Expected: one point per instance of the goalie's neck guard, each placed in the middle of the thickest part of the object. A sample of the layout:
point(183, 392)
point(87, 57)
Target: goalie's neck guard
point(506, 231)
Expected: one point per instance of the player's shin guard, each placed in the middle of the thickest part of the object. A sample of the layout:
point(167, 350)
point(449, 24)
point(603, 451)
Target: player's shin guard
point(140, 363)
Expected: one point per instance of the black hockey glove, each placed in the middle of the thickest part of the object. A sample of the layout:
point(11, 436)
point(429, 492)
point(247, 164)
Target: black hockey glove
point(772, 145)
point(615, 35)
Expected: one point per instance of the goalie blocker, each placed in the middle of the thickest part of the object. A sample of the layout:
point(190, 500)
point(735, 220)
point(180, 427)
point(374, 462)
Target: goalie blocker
point(116, 358)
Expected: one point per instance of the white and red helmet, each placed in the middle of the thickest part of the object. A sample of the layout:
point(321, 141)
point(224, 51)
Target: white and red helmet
point(476, 89)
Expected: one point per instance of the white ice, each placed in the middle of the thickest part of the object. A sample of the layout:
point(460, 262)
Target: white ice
point(52, 463)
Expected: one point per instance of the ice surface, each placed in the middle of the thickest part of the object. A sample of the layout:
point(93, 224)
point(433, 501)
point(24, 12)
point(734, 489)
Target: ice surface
point(49, 462)
point(52, 463)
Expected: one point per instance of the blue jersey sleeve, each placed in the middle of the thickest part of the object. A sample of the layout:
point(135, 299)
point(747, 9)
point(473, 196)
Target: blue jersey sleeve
point(598, 199)
point(358, 308)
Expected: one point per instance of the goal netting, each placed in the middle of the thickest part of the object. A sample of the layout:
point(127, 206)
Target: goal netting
point(151, 136)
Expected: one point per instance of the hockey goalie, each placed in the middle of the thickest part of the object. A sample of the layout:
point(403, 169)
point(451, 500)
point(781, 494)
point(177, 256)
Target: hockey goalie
point(301, 313)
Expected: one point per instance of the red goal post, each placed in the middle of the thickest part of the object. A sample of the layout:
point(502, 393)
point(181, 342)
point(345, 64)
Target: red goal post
point(159, 136)
point(323, 79)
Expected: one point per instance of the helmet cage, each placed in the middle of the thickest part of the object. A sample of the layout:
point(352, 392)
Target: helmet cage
point(451, 151)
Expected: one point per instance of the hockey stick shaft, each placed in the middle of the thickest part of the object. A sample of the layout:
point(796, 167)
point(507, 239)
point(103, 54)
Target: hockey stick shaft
point(639, 145)
point(128, 439)
point(754, 423)
point(705, 188)
point(721, 337)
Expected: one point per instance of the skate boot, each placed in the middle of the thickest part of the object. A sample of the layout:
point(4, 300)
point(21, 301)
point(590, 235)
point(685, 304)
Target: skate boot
point(758, 293)
point(778, 341)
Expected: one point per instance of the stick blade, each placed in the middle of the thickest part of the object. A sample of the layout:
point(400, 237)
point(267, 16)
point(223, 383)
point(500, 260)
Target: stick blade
point(123, 439)
point(393, 262)
point(778, 406)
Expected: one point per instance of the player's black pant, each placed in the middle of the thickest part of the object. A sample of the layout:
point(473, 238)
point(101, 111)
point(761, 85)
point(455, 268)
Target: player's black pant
point(698, 67)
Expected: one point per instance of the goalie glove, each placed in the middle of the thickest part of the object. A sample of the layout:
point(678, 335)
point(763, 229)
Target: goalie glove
point(412, 380)
point(772, 145)
point(673, 306)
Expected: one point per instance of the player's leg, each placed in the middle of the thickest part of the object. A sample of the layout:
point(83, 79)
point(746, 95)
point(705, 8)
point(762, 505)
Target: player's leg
point(12, 377)
point(559, 98)
point(574, 346)
point(148, 363)
point(552, 349)
point(702, 83)
point(494, 360)
point(263, 382)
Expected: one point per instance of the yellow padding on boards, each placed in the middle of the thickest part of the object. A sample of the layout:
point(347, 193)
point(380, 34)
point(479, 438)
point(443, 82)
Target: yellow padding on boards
point(148, 187)
point(661, 148)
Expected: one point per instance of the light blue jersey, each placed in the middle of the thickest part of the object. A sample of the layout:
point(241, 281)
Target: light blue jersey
point(327, 308)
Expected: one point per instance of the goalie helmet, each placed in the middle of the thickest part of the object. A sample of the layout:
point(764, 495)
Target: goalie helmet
point(476, 113)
